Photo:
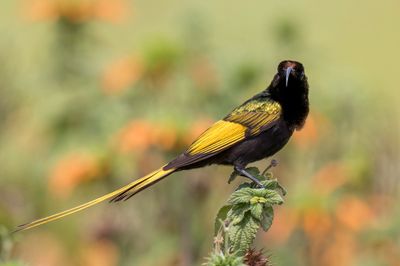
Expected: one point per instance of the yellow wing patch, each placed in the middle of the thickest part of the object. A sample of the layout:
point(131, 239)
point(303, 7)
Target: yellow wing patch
point(247, 119)
point(255, 106)
point(219, 136)
point(255, 115)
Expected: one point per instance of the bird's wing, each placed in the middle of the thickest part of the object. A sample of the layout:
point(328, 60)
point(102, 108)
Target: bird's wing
point(247, 120)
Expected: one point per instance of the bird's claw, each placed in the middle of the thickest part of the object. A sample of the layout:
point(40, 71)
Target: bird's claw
point(244, 173)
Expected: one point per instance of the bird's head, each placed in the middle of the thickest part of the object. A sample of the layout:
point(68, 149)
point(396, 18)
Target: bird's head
point(290, 74)
point(290, 88)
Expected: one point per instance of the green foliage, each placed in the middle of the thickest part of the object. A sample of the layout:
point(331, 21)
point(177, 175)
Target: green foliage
point(248, 209)
point(161, 55)
point(266, 217)
point(224, 260)
point(221, 216)
point(243, 234)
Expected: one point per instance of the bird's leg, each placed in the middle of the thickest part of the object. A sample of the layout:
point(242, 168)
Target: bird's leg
point(272, 164)
point(248, 175)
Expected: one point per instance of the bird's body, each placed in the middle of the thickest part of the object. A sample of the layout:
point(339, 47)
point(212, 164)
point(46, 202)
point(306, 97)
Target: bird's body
point(257, 129)
point(259, 141)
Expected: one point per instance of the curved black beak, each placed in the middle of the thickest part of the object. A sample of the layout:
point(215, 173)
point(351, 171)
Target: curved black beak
point(288, 70)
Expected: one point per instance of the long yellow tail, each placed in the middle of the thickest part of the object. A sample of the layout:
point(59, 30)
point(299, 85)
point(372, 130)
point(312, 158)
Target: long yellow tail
point(123, 193)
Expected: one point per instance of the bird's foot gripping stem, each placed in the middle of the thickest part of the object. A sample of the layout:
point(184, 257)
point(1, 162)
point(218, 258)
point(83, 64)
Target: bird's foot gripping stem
point(244, 173)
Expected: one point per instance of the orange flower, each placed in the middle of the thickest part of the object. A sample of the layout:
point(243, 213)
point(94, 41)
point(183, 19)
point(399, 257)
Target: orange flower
point(71, 171)
point(354, 213)
point(340, 251)
point(140, 135)
point(121, 74)
point(41, 10)
point(100, 253)
point(308, 134)
point(165, 137)
point(136, 136)
point(285, 221)
point(42, 248)
point(317, 223)
point(76, 11)
point(315, 126)
point(330, 177)
point(111, 10)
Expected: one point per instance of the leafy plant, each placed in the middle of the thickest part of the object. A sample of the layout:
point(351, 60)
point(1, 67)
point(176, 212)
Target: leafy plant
point(237, 223)
point(220, 259)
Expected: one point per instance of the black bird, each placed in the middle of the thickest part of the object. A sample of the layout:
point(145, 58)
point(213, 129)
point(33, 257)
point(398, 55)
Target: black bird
point(257, 129)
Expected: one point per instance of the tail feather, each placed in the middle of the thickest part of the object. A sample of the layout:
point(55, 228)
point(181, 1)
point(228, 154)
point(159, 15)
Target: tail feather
point(123, 193)
point(145, 182)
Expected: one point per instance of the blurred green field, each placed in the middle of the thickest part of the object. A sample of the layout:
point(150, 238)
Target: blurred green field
point(94, 93)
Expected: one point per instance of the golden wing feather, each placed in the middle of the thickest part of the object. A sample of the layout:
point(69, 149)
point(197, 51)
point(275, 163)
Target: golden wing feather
point(219, 135)
point(245, 121)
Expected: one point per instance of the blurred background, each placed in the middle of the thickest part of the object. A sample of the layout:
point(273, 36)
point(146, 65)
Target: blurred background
point(94, 93)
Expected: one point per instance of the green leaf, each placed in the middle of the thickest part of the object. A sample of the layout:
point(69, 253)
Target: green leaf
point(256, 210)
point(221, 216)
point(242, 234)
point(273, 184)
point(258, 194)
point(267, 217)
point(242, 195)
point(224, 260)
point(237, 213)
point(233, 176)
point(253, 171)
point(273, 197)
point(282, 189)
point(245, 185)
point(270, 184)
